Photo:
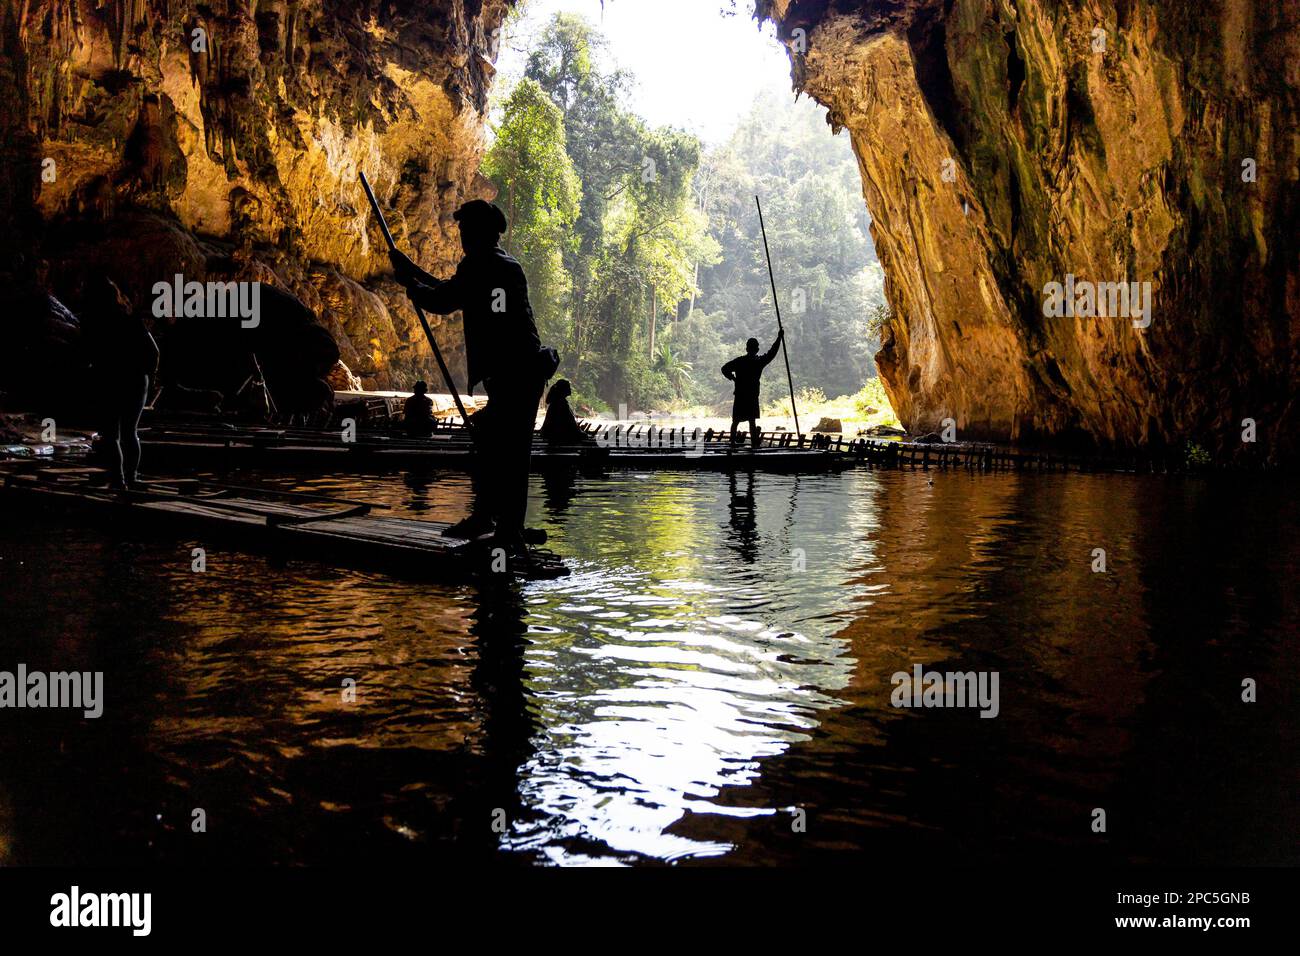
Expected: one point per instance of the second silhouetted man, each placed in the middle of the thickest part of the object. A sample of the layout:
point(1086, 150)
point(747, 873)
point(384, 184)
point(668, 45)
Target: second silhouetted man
point(747, 371)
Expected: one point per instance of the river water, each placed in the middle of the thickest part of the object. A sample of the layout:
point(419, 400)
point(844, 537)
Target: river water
point(711, 685)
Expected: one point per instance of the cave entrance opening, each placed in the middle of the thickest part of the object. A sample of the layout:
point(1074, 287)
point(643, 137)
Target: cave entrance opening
point(626, 144)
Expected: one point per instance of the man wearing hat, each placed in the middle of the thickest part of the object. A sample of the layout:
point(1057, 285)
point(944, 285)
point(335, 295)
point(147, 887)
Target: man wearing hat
point(417, 413)
point(503, 351)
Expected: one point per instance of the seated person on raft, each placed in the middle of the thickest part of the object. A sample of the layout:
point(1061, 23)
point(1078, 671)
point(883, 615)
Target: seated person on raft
point(417, 414)
point(560, 426)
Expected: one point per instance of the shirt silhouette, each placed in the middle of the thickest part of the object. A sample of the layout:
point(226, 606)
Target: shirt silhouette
point(490, 291)
point(747, 371)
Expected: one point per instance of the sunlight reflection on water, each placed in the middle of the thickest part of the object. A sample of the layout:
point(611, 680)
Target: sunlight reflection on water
point(719, 660)
point(673, 704)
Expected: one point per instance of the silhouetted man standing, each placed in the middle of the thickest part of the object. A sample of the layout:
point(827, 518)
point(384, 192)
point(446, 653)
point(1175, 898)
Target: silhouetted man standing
point(503, 351)
point(123, 357)
point(746, 371)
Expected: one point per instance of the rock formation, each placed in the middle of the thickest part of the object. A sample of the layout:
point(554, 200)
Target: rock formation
point(154, 137)
point(1004, 145)
point(1007, 144)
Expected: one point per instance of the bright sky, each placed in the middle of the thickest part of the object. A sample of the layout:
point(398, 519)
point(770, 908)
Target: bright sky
point(695, 68)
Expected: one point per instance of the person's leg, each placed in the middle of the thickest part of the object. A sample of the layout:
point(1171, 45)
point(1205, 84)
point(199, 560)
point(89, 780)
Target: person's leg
point(512, 492)
point(482, 486)
point(516, 463)
point(113, 446)
point(109, 452)
point(735, 424)
point(755, 433)
point(495, 461)
point(132, 408)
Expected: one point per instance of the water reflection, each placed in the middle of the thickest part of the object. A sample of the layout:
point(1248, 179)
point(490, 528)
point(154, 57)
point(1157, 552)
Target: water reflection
point(720, 658)
point(665, 682)
point(744, 522)
point(418, 482)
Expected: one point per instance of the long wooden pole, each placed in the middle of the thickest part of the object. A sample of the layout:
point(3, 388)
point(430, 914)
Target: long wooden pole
point(424, 323)
point(776, 302)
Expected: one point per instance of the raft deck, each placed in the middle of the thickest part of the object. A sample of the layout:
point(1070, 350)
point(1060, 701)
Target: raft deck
point(338, 531)
point(321, 450)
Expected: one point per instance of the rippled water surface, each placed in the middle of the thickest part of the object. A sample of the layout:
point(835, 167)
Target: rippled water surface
point(712, 684)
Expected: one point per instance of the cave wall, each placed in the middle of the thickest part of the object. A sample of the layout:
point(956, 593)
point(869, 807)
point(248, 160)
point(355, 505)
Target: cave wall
point(1105, 139)
point(237, 156)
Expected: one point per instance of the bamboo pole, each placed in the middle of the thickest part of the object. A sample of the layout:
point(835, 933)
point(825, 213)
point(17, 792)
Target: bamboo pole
point(776, 304)
point(419, 313)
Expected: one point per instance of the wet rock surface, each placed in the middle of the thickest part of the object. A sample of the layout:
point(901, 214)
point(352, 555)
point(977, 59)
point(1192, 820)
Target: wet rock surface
point(1007, 145)
point(225, 140)
point(1003, 146)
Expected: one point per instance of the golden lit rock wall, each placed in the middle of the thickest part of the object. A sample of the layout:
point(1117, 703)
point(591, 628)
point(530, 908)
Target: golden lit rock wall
point(246, 146)
point(1100, 138)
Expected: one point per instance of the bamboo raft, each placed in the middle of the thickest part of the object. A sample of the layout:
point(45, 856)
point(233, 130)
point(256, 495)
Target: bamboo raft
point(977, 457)
point(322, 450)
point(335, 530)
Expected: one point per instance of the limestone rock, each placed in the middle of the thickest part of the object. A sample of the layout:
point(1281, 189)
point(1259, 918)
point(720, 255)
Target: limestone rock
point(1007, 145)
point(341, 379)
point(239, 130)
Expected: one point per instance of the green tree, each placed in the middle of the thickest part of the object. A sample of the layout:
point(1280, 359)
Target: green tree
point(675, 371)
point(818, 231)
point(539, 190)
point(563, 64)
point(638, 235)
point(644, 252)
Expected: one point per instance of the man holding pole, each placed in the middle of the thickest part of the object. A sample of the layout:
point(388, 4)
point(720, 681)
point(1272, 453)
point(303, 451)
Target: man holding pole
point(746, 371)
point(503, 351)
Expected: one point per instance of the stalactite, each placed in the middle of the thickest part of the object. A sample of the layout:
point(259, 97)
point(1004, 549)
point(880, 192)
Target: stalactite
point(256, 141)
point(127, 17)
